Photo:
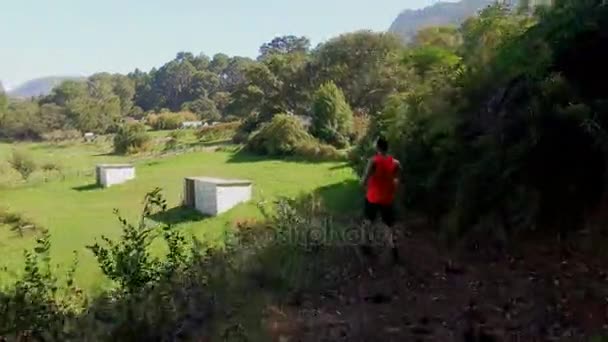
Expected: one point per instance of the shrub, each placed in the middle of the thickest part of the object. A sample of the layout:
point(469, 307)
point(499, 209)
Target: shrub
point(22, 163)
point(168, 120)
point(61, 135)
point(222, 131)
point(17, 223)
point(131, 138)
point(51, 166)
point(316, 151)
point(361, 125)
point(175, 139)
point(248, 126)
point(37, 305)
point(281, 136)
point(332, 116)
point(128, 261)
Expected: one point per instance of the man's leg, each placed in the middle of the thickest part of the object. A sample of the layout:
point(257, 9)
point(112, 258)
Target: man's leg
point(388, 217)
point(369, 212)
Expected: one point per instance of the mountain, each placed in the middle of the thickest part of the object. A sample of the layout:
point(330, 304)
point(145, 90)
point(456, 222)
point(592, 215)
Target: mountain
point(39, 86)
point(440, 14)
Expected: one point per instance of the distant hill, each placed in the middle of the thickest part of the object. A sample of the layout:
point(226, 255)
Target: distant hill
point(39, 86)
point(442, 13)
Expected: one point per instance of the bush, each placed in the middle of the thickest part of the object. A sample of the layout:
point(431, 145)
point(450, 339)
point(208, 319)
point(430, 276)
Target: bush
point(62, 135)
point(131, 138)
point(22, 163)
point(175, 139)
point(248, 126)
point(316, 151)
point(17, 222)
point(51, 166)
point(168, 120)
point(361, 125)
point(222, 131)
point(332, 116)
point(281, 136)
point(37, 305)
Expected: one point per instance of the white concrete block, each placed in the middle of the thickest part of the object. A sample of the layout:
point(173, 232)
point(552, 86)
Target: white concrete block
point(112, 174)
point(214, 196)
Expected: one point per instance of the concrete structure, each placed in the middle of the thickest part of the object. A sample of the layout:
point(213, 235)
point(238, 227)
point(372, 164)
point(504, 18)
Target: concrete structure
point(214, 196)
point(89, 136)
point(112, 174)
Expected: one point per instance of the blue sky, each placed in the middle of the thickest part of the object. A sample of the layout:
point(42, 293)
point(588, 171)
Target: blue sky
point(80, 37)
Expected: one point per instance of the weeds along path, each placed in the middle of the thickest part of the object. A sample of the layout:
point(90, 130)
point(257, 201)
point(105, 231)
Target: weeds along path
point(440, 295)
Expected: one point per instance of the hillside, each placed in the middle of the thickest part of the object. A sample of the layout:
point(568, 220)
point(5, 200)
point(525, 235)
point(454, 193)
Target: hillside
point(39, 86)
point(442, 13)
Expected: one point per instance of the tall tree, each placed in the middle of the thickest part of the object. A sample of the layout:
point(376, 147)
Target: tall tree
point(284, 45)
point(174, 80)
point(355, 62)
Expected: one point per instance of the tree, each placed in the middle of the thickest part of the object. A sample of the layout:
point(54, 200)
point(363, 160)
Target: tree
point(233, 75)
point(21, 121)
point(357, 62)
point(67, 91)
point(284, 45)
point(53, 117)
point(332, 117)
point(446, 37)
point(124, 88)
point(201, 62)
point(204, 83)
point(147, 95)
point(221, 100)
point(219, 63)
point(174, 80)
point(204, 108)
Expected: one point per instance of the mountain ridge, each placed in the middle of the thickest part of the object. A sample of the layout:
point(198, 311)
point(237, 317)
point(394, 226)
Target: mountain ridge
point(442, 13)
point(39, 86)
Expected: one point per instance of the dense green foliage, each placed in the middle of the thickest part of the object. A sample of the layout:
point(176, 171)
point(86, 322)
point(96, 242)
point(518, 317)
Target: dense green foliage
point(501, 127)
point(168, 120)
point(332, 117)
point(280, 136)
point(131, 138)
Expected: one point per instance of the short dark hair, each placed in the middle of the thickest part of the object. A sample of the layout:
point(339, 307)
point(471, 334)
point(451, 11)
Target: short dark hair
point(382, 144)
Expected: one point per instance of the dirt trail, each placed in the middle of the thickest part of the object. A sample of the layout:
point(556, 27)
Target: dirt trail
point(447, 296)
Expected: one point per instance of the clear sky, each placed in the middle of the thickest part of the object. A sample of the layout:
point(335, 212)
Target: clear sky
point(81, 37)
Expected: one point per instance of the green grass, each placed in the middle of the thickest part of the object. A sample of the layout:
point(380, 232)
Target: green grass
point(76, 213)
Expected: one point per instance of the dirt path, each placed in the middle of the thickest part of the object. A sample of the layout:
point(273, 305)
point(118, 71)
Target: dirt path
point(444, 296)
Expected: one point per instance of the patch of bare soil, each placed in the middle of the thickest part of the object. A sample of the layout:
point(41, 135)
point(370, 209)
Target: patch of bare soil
point(540, 294)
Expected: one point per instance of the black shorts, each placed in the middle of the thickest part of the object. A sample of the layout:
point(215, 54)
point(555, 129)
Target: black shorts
point(387, 212)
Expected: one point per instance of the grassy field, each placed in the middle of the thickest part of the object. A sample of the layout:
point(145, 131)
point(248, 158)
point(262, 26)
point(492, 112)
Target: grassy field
point(76, 213)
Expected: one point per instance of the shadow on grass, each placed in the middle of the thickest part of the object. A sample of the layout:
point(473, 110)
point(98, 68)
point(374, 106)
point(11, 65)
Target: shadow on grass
point(178, 215)
point(88, 187)
point(243, 156)
point(344, 165)
point(51, 146)
point(342, 198)
point(107, 154)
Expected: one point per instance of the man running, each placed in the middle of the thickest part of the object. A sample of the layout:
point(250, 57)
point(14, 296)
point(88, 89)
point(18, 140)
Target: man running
point(381, 179)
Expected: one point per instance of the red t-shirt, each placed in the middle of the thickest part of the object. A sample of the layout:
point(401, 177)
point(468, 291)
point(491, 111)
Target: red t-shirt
point(381, 184)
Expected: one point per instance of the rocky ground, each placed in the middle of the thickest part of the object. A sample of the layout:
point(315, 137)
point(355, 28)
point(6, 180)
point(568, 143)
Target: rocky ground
point(535, 294)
